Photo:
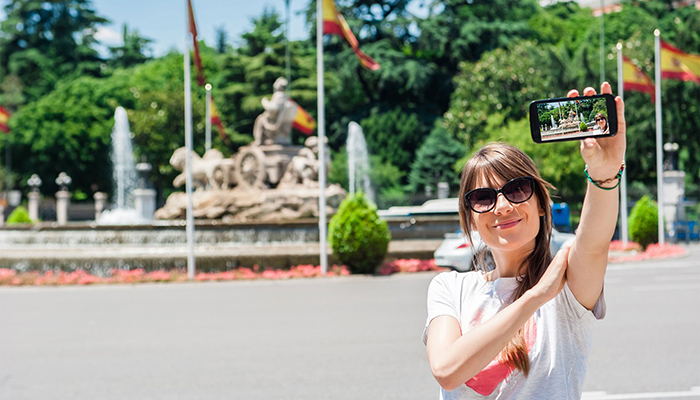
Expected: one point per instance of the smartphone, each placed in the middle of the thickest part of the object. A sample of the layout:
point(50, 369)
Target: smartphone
point(573, 118)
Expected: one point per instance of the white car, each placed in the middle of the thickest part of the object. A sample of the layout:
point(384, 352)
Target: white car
point(455, 251)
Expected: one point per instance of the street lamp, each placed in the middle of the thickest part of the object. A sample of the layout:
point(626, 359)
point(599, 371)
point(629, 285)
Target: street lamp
point(142, 169)
point(34, 182)
point(63, 181)
point(672, 150)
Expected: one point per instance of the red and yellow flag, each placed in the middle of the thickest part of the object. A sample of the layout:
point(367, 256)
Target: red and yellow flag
point(303, 121)
point(4, 120)
point(196, 56)
point(635, 80)
point(335, 24)
point(216, 120)
point(676, 64)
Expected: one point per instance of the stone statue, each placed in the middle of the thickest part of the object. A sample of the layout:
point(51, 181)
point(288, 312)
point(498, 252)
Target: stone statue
point(268, 180)
point(212, 169)
point(303, 168)
point(274, 125)
point(570, 122)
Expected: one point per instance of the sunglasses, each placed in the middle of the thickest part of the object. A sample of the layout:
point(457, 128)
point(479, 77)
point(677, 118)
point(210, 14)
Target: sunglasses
point(518, 190)
point(599, 119)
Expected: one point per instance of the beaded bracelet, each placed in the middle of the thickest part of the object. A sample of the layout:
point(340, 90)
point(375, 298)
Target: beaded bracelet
point(599, 183)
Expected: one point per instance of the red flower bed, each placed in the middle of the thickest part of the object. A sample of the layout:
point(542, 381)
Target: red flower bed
point(409, 265)
point(654, 250)
point(82, 277)
point(617, 245)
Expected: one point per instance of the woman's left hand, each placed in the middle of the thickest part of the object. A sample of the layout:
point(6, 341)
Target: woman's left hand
point(604, 155)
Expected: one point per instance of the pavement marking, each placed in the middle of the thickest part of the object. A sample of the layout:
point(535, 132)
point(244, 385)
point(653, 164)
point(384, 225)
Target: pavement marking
point(668, 287)
point(693, 392)
point(677, 277)
point(653, 264)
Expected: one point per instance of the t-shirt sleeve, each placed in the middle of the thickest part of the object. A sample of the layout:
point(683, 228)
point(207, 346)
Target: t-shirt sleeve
point(441, 299)
point(578, 310)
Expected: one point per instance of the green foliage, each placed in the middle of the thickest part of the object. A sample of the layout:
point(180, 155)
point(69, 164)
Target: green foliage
point(644, 222)
point(68, 130)
point(583, 127)
point(358, 236)
point(435, 161)
point(384, 177)
point(503, 81)
point(19, 216)
point(44, 41)
point(394, 136)
point(134, 50)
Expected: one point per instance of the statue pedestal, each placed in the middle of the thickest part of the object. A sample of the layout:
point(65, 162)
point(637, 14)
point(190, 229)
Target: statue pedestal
point(62, 202)
point(145, 203)
point(100, 200)
point(674, 191)
point(33, 205)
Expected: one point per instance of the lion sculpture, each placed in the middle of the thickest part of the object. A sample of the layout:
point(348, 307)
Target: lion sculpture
point(213, 169)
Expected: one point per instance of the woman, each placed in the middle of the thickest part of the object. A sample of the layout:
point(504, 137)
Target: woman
point(523, 330)
point(601, 122)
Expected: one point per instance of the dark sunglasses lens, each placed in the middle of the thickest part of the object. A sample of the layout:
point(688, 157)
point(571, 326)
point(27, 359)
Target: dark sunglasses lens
point(482, 200)
point(518, 191)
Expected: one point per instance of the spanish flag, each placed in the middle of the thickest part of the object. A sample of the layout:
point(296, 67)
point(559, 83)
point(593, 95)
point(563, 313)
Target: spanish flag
point(676, 64)
point(335, 24)
point(4, 120)
point(196, 57)
point(303, 121)
point(634, 79)
point(216, 120)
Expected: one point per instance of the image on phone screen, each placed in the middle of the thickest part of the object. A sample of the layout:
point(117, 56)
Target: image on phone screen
point(571, 119)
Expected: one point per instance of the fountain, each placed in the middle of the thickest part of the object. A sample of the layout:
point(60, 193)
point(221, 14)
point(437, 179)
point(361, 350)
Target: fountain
point(358, 161)
point(554, 124)
point(123, 175)
point(259, 206)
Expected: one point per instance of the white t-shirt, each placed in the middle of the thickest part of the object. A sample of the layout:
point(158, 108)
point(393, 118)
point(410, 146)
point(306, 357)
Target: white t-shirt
point(558, 338)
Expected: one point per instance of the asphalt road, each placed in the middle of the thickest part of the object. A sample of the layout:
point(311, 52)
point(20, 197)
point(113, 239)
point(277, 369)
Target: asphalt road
point(334, 338)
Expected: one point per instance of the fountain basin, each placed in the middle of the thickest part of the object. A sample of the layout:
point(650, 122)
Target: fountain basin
point(218, 246)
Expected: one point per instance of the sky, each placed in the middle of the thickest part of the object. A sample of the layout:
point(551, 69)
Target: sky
point(163, 21)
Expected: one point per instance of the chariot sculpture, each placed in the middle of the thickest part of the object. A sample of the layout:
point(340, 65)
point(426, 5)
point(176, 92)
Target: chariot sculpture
point(269, 170)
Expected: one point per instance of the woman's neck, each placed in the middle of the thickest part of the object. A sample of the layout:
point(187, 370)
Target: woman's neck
point(508, 262)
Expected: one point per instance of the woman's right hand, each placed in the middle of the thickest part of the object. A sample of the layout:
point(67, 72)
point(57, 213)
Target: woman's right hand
point(552, 281)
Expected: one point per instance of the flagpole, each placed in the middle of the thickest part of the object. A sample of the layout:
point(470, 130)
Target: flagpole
point(207, 145)
point(623, 179)
point(659, 154)
point(286, 52)
point(602, 40)
point(188, 145)
point(321, 138)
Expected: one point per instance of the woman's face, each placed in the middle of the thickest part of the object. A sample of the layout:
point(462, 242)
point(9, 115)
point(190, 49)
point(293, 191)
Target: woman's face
point(508, 226)
point(601, 122)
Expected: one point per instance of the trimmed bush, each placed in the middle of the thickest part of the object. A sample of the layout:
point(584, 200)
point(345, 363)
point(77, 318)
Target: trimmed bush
point(583, 127)
point(644, 222)
point(18, 216)
point(358, 237)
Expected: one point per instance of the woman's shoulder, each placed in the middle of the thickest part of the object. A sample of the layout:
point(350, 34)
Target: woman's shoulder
point(457, 279)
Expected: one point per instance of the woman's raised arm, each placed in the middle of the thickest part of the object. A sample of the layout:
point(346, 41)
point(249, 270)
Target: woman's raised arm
point(588, 258)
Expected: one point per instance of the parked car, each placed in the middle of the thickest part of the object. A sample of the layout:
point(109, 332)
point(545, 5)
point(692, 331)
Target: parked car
point(455, 251)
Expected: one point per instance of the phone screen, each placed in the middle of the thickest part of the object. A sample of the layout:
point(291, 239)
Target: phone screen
point(554, 120)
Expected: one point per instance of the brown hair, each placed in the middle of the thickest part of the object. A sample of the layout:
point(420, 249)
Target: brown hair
point(601, 115)
point(499, 161)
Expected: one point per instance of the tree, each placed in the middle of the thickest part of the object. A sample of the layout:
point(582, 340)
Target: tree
point(134, 50)
point(222, 45)
point(394, 136)
point(435, 161)
point(42, 41)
